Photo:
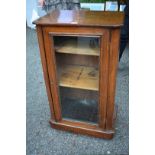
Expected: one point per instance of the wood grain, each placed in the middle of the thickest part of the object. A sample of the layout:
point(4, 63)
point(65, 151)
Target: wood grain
point(103, 79)
point(113, 63)
point(80, 77)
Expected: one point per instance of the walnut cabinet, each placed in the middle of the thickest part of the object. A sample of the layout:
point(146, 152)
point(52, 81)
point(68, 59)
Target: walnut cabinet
point(79, 54)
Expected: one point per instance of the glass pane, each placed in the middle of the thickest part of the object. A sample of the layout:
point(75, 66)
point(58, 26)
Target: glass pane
point(77, 61)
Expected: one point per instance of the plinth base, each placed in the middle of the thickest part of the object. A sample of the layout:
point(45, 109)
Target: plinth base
point(82, 128)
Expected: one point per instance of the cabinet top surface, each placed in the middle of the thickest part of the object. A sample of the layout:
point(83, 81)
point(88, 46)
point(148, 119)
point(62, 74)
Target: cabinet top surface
point(82, 18)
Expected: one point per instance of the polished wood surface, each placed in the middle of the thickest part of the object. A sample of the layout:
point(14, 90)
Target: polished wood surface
point(103, 79)
point(105, 26)
point(82, 128)
point(51, 66)
point(113, 63)
point(82, 18)
point(45, 70)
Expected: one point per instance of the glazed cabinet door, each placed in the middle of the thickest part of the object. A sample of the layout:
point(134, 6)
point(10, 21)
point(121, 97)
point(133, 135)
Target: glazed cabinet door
point(78, 70)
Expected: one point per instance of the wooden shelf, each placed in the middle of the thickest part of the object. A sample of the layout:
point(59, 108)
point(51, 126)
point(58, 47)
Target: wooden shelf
point(80, 77)
point(80, 46)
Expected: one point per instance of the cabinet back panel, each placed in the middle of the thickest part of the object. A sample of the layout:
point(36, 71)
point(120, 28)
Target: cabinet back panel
point(70, 59)
point(78, 93)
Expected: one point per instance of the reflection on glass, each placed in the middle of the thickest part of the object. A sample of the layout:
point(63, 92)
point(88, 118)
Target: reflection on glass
point(78, 76)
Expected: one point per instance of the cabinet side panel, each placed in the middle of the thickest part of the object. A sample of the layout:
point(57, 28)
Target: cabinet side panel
point(113, 64)
point(45, 71)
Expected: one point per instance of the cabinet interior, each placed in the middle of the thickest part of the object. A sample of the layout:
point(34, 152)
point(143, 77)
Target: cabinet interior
point(77, 61)
point(77, 65)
